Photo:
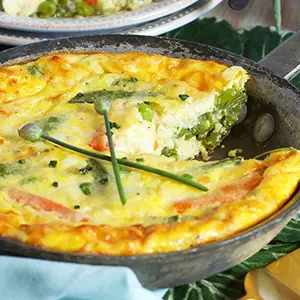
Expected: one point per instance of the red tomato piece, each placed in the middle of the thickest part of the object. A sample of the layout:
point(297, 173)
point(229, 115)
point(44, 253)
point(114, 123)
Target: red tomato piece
point(91, 2)
point(99, 141)
point(225, 194)
point(43, 204)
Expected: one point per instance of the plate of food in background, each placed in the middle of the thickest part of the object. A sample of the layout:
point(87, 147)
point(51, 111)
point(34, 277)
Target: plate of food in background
point(155, 27)
point(84, 15)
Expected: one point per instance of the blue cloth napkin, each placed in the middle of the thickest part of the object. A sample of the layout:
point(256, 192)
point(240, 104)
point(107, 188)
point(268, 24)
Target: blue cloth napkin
point(34, 279)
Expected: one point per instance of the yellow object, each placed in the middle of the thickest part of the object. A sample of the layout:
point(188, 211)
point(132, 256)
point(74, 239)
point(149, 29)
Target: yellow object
point(278, 281)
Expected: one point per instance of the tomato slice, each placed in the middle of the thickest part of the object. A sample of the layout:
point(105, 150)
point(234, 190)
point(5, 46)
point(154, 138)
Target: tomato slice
point(43, 204)
point(91, 2)
point(225, 194)
point(99, 141)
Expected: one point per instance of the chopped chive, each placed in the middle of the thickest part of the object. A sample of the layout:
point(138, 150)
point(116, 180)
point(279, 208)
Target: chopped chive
point(55, 184)
point(21, 161)
point(76, 206)
point(133, 79)
point(183, 97)
point(140, 160)
point(114, 125)
point(128, 164)
point(114, 159)
point(124, 158)
point(86, 187)
point(189, 176)
point(52, 164)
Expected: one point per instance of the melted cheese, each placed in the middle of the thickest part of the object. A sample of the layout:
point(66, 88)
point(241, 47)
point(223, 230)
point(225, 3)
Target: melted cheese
point(46, 85)
point(70, 208)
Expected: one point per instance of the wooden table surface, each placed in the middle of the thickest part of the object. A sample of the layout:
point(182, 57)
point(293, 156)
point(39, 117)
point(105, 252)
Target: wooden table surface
point(259, 12)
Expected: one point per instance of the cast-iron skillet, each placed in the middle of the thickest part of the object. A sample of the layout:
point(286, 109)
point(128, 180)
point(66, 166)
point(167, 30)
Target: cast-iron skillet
point(272, 98)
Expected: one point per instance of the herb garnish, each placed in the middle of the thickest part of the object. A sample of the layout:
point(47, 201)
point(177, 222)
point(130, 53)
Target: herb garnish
point(76, 207)
point(21, 161)
point(52, 164)
point(86, 187)
point(128, 163)
point(102, 106)
point(183, 97)
point(114, 125)
point(55, 184)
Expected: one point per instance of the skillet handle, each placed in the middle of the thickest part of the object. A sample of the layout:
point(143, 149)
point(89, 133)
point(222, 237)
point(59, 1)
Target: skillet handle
point(285, 59)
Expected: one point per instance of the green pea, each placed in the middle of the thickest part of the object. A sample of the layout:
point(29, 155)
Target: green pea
point(47, 9)
point(146, 112)
point(63, 4)
point(83, 9)
point(69, 14)
point(60, 13)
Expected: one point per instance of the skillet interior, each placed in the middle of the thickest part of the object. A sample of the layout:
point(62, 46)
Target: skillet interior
point(267, 92)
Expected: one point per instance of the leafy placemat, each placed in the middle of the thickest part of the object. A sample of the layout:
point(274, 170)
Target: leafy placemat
point(254, 44)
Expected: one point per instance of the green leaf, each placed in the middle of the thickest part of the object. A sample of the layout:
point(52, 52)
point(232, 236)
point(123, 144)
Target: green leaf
point(296, 81)
point(230, 284)
point(207, 31)
point(260, 41)
point(291, 232)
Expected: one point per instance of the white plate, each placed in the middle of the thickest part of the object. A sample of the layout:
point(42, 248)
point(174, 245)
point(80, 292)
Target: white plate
point(14, 38)
point(155, 10)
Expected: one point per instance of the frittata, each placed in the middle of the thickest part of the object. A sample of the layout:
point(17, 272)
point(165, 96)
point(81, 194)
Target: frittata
point(164, 112)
